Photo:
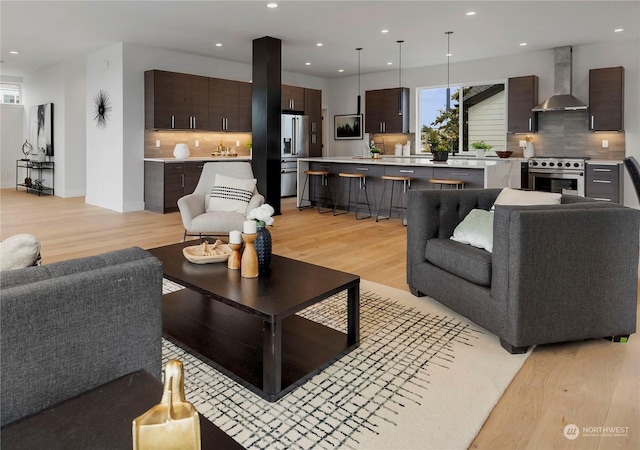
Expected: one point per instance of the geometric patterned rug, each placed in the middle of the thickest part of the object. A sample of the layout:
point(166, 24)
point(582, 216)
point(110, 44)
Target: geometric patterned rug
point(408, 385)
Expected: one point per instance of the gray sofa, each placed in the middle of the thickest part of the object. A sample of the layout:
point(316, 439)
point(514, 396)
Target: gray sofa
point(71, 326)
point(557, 273)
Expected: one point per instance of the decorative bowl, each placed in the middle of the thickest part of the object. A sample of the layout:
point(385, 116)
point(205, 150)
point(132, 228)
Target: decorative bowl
point(195, 254)
point(504, 154)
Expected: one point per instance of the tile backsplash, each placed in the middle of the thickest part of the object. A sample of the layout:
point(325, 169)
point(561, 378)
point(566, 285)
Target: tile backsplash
point(566, 133)
point(208, 142)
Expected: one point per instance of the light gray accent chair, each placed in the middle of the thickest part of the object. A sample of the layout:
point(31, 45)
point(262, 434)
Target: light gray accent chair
point(71, 326)
point(193, 207)
point(557, 272)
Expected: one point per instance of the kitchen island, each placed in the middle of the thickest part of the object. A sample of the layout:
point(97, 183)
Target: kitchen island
point(476, 173)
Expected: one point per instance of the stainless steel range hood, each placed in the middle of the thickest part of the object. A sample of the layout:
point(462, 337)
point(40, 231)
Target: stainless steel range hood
point(562, 100)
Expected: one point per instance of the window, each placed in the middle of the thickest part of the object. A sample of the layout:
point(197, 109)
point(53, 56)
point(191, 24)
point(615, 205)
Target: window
point(10, 93)
point(476, 113)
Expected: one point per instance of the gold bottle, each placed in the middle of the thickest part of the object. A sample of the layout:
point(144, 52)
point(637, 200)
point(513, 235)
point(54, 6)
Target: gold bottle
point(172, 424)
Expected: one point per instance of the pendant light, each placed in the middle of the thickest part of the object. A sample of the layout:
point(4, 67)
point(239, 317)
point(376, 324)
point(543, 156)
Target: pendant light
point(359, 49)
point(400, 105)
point(448, 33)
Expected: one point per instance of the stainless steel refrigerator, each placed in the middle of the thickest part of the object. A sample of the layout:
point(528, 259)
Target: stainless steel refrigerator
point(294, 145)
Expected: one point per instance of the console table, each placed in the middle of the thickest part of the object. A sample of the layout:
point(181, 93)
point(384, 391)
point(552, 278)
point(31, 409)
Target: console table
point(29, 167)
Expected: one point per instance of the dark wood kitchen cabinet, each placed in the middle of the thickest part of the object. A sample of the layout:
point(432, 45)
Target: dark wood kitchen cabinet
point(387, 111)
point(604, 182)
point(523, 97)
point(606, 99)
point(292, 98)
point(229, 105)
point(313, 109)
point(176, 100)
point(165, 183)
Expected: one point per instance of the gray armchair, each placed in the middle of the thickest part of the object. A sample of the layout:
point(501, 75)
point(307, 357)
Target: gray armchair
point(195, 218)
point(557, 273)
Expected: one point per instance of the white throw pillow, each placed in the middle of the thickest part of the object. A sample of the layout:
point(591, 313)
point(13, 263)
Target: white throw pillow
point(231, 194)
point(476, 229)
point(517, 197)
point(19, 251)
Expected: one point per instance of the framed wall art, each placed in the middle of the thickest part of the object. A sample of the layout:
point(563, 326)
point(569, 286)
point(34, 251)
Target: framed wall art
point(41, 128)
point(348, 126)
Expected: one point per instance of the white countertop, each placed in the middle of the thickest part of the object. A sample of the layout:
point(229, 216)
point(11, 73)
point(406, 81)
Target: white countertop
point(200, 158)
point(479, 163)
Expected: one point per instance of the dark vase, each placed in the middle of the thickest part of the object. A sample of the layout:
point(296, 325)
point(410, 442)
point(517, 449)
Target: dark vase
point(263, 248)
point(440, 156)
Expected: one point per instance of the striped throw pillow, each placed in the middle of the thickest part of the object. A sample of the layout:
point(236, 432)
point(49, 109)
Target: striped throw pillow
point(231, 194)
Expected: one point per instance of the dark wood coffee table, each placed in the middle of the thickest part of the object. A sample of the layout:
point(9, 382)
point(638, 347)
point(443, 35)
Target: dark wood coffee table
point(247, 328)
point(101, 419)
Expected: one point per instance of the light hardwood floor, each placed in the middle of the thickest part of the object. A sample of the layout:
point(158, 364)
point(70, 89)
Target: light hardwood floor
point(590, 383)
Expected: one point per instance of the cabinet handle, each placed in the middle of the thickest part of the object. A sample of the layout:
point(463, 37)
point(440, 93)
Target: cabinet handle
point(530, 121)
point(313, 127)
point(362, 168)
point(182, 180)
point(173, 121)
point(602, 181)
point(460, 173)
point(602, 199)
point(593, 122)
point(602, 170)
point(399, 103)
point(313, 138)
point(194, 122)
point(407, 171)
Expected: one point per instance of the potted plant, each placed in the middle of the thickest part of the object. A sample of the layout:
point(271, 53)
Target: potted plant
point(481, 147)
point(438, 148)
point(375, 152)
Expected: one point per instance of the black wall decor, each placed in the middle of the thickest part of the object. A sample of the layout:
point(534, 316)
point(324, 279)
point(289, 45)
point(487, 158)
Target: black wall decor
point(102, 108)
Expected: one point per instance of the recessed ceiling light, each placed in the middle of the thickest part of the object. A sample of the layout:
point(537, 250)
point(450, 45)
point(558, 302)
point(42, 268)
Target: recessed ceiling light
point(384, 31)
point(307, 64)
point(218, 44)
point(319, 44)
point(523, 44)
point(471, 13)
point(340, 70)
point(389, 63)
point(13, 52)
point(448, 55)
point(272, 5)
point(618, 30)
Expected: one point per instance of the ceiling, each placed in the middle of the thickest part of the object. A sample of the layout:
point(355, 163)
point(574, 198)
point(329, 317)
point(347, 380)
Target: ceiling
point(47, 33)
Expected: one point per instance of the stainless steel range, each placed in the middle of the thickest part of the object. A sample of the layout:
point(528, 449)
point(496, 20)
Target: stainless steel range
point(564, 175)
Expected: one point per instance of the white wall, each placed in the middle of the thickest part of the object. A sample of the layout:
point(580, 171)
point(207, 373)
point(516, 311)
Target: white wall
point(106, 156)
point(11, 124)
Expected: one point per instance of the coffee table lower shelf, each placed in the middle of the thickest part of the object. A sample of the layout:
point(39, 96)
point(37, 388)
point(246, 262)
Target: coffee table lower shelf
point(231, 341)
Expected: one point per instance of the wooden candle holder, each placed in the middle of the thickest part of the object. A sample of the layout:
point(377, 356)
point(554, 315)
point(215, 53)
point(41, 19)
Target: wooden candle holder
point(235, 257)
point(249, 263)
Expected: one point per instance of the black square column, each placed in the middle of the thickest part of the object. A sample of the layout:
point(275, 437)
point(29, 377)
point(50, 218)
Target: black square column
point(266, 117)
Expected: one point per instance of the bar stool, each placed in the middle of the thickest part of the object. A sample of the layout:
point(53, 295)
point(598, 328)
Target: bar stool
point(406, 184)
point(459, 184)
point(321, 191)
point(362, 179)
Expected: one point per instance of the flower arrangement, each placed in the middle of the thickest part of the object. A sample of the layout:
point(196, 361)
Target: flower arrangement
point(263, 215)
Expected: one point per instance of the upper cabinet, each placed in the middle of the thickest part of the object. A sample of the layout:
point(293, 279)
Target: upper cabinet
point(387, 111)
point(229, 105)
point(523, 97)
point(313, 109)
point(606, 99)
point(176, 100)
point(292, 98)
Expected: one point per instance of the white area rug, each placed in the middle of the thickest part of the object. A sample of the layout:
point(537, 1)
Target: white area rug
point(423, 377)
